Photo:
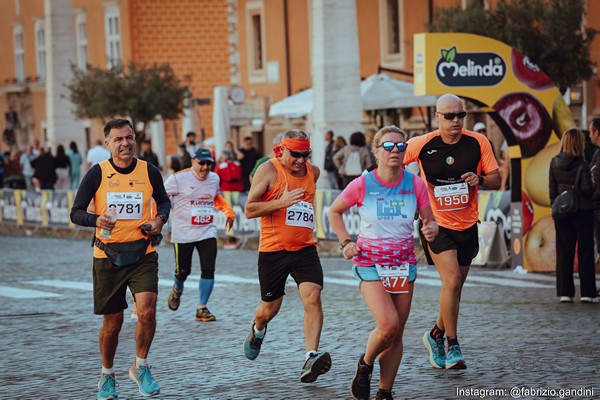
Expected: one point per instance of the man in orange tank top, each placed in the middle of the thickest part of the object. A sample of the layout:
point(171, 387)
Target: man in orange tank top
point(282, 195)
point(128, 186)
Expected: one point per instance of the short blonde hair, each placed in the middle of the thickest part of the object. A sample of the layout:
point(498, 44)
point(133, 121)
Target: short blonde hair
point(383, 131)
point(573, 142)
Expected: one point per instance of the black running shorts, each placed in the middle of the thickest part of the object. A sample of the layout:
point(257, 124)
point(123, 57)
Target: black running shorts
point(110, 283)
point(275, 267)
point(466, 244)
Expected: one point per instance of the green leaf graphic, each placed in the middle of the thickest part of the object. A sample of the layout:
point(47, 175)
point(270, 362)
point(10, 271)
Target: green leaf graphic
point(451, 54)
point(444, 53)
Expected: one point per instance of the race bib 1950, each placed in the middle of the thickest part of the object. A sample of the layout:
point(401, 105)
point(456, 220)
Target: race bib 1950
point(451, 197)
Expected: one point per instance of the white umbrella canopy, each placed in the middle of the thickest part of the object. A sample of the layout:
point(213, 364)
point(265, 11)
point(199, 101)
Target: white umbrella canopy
point(378, 92)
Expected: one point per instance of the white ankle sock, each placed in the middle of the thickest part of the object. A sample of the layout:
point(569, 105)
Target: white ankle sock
point(107, 371)
point(140, 362)
point(261, 332)
point(309, 353)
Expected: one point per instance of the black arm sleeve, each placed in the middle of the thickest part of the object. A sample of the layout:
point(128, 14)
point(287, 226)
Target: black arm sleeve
point(89, 185)
point(163, 202)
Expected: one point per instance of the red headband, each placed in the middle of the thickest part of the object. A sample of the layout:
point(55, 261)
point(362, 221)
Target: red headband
point(296, 144)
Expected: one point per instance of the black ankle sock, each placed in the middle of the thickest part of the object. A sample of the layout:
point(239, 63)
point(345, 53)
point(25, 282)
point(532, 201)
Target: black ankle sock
point(362, 362)
point(436, 332)
point(452, 340)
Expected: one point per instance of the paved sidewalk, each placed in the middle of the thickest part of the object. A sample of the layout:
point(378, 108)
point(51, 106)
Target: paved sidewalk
point(512, 331)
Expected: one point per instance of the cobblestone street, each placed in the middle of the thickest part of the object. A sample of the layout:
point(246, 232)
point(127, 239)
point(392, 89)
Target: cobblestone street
point(512, 330)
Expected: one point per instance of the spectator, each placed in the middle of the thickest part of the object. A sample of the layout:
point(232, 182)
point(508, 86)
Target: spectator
point(569, 170)
point(338, 145)
point(147, 154)
point(329, 165)
point(61, 164)
point(230, 173)
point(2, 158)
point(97, 154)
point(26, 168)
point(247, 156)
point(13, 175)
point(184, 157)
point(74, 165)
point(230, 147)
point(45, 170)
point(190, 145)
point(353, 159)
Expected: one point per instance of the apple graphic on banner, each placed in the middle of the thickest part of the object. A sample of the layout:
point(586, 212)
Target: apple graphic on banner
point(527, 216)
point(540, 246)
point(529, 73)
point(536, 179)
point(528, 119)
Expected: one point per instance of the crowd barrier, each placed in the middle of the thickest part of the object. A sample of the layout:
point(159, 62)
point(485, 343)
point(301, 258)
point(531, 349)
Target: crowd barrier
point(52, 208)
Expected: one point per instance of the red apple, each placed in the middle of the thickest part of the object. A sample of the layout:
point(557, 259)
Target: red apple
point(529, 73)
point(528, 119)
point(540, 246)
point(527, 212)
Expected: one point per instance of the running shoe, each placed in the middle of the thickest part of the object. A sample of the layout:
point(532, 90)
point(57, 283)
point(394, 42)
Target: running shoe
point(315, 365)
point(455, 360)
point(174, 298)
point(437, 353)
point(361, 384)
point(107, 387)
point(144, 379)
point(589, 299)
point(566, 299)
point(202, 314)
point(384, 395)
point(253, 343)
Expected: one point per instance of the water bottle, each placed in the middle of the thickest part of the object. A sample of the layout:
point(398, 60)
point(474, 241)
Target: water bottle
point(105, 233)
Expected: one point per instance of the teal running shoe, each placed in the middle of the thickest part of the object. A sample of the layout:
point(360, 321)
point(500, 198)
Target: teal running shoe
point(437, 353)
point(144, 379)
point(455, 359)
point(253, 343)
point(107, 387)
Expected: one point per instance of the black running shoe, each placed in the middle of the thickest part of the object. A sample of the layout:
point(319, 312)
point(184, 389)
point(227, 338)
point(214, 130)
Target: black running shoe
point(317, 364)
point(361, 384)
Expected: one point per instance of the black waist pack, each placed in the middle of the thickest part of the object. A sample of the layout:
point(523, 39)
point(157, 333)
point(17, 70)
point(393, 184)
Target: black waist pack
point(124, 254)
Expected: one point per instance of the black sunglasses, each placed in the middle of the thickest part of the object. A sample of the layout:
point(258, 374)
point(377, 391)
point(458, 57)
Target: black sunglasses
point(297, 154)
point(451, 116)
point(389, 146)
point(204, 162)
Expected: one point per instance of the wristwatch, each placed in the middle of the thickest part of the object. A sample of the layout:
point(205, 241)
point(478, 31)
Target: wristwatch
point(163, 218)
point(344, 243)
point(480, 180)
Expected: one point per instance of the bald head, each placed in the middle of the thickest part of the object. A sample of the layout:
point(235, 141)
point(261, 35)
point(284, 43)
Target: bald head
point(447, 101)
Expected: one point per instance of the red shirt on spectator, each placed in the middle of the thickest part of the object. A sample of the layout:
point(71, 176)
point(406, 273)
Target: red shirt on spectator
point(230, 173)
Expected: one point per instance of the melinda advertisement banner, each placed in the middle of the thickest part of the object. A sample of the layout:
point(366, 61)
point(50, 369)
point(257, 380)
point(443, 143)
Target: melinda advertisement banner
point(528, 109)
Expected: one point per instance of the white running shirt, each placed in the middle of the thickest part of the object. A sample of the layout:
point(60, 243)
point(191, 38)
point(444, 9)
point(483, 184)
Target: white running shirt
point(193, 214)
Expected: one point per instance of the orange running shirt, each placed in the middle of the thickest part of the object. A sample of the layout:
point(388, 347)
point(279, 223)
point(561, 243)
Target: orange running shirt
point(289, 228)
point(453, 201)
point(132, 195)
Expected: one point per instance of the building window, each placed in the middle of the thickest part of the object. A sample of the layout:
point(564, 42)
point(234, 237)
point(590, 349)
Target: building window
point(113, 35)
point(392, 35)
point(19, 53)
point(40, 49)
point(82, 44)
point(255, 31)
